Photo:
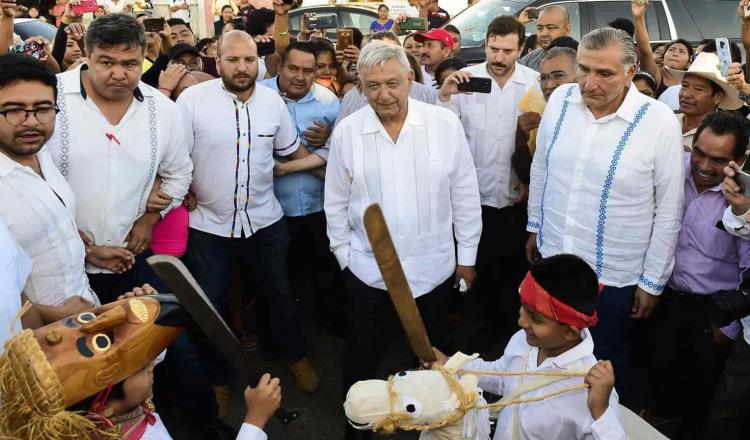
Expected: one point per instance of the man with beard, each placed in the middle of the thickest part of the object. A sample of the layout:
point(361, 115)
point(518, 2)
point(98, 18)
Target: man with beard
point(437, 45)
point(704, 89)
point(412, 158)
point(553, 22)
point(234, 129)
point(707, 260)
point(607, 185)
point(298, 184)
point(490, 120)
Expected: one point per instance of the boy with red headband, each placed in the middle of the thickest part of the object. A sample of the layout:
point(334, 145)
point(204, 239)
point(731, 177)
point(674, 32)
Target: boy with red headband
point(558, 298)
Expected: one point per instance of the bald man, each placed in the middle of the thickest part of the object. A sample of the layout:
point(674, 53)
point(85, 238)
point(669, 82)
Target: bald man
point(234, 129)
point(553, 22)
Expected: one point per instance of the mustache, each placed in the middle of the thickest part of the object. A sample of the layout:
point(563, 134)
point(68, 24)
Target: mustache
point(499, 65)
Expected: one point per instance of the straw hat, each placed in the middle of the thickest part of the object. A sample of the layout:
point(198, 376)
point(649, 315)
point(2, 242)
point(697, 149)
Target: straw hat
point(706, 65)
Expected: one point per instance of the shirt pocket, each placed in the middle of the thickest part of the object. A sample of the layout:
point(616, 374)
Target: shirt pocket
point(713, 242)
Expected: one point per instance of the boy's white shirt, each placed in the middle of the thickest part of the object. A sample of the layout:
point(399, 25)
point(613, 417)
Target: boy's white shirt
point(158, 431)
point(564, 416)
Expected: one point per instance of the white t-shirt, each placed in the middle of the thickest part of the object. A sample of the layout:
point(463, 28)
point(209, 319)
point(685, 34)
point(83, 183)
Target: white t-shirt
point(184, 14)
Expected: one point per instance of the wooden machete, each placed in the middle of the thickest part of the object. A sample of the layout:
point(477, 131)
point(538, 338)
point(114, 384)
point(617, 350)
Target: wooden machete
point(395, 281)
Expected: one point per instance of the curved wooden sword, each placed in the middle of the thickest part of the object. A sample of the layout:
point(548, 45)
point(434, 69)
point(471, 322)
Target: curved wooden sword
point(395, 281)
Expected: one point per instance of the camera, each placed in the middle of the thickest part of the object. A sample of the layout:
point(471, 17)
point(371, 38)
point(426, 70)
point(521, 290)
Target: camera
point(727, 306)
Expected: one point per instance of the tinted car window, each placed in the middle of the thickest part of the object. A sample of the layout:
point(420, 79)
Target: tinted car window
point(357, 20)
point(473, 22)
point(32, 28)
point(574, 11)
point(713, 18)
point(604, 12)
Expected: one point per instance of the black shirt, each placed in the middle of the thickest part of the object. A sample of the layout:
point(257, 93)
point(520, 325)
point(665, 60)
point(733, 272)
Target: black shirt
point(438, 19)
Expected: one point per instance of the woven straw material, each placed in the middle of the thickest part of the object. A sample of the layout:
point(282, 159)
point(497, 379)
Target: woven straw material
point(32, 399)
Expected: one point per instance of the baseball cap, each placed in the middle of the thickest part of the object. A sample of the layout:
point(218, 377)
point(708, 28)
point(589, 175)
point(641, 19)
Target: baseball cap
point(436, 34)
point(181, 48)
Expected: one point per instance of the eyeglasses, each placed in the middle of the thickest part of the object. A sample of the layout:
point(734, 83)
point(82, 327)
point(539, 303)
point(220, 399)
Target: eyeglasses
point(17, 116)
point(557, 76)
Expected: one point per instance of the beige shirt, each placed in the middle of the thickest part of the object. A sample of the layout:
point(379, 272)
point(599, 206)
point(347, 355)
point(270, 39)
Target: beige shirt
point(687, 137)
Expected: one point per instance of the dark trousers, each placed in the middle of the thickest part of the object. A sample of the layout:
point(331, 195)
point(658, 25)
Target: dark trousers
point(181, 365)
point(313, 268)
point(730, 414)
point(686, 363)
point(372, 324)
point(501, 265)
point(108, 286)
point(209, 258)
point(612, 332)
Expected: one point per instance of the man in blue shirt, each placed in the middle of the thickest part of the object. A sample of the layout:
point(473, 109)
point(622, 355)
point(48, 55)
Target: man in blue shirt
point(298, 184)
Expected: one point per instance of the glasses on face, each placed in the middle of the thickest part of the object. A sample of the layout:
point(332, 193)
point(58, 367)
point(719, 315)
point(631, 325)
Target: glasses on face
point(555, 76)
point(17, 116)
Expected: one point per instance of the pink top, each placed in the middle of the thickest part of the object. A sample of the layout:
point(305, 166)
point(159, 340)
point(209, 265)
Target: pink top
point(170, 235)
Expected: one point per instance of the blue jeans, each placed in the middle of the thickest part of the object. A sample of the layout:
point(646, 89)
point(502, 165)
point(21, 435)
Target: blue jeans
point(208, 257)
point(612, 332)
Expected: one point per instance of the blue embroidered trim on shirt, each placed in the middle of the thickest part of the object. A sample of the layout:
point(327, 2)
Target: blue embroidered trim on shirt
point(154, 148)
point(608, 185)
point(535, 225)
point(63, 124)
point(650, 284)
point(555, 134)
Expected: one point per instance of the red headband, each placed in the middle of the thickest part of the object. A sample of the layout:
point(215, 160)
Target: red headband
point(534, 296)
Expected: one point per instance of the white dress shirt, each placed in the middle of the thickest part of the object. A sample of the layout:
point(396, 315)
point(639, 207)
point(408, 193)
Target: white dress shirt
point(111, 168)
point(158, 431)
point(428, 78)
point(15, 267)
point(609, 190)
point(565, 416)
point(739, 226)
point(232, 144)
point(355, 98)
point(183, 14)
point(40, 212)
point(425, 183)
point(490, 124)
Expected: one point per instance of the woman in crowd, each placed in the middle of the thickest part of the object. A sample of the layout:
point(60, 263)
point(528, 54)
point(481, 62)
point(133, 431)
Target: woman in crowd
point(678, 54)
point(411, 46)
point(645, 83)
point(383, 23)
point(227, 15)
point(328, 72)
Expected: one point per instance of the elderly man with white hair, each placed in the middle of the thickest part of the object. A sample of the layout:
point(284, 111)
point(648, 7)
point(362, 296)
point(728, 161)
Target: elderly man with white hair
point(607, 185)
point(411, 158)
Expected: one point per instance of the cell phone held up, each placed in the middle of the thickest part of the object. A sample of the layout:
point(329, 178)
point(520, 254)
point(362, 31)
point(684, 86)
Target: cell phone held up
point(154, 24)
point(322, 21)
point(34, 50)
point(344, 38)
point(266, 48)
point(85, 6)
point(724, 54)
point(533, 13)
point(478, 85)
point(413, 24)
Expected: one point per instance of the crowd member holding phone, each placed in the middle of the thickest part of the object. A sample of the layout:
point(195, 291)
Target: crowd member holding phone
point(437, 46)
point(703, 91)
point(607, 183)
point(68, 45)
point(234, 128)
point(552, 22)
point(489, 118)
point(413, 159)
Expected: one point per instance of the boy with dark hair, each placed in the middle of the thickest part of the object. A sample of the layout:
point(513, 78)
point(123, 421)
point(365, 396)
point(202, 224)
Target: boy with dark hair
point(558, 298)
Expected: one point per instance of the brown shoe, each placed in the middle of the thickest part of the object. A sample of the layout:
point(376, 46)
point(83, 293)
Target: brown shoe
point(305, 375)
point(221, 393)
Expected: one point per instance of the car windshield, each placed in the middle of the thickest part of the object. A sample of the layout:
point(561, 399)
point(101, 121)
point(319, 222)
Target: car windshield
point(32, 28)
point(473, 22)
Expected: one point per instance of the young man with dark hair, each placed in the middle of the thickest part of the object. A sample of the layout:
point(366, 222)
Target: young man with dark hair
point(490, 121)
point(688, 347)
point(623, 24)
point(456, 34)
point(437, 45)
point(558, 297)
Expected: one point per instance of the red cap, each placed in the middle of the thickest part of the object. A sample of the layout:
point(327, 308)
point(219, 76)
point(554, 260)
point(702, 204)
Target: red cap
point(437, 34)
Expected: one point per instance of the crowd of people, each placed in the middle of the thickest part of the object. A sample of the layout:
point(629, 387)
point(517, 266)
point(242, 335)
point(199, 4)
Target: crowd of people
point(603, 176)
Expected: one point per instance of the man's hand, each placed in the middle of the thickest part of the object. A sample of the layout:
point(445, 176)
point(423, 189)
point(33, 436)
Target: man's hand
point(601, 380)
point(317, 134)
point(144, 290)
point(741, 11)
point(117, 259)
point(440, 359)
point(450, 85)
point(532, 252)
point(262, 401)
point(524, 18)
point(281, 8)
point(76, 31)
point(190, 201)
point(466, 273)
point(644, 304)
point(139, 238)
point(736, 78)
point(168, 79)
point(166, 39)
point(304, 32)
point(523, 192)
point(42, 42)
point(280, 168)
point(638, 8)
point(9, 8)
point(733, 191)
point(529, 121)
point(78, 62)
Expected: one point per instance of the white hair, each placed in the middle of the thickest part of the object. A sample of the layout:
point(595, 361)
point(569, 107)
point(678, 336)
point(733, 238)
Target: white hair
point(377, 53)
point(598, 39)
